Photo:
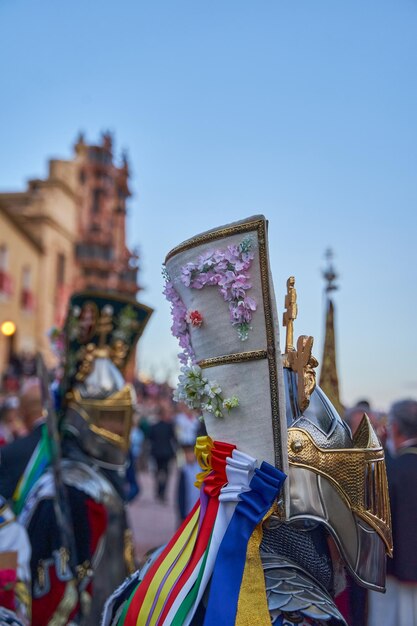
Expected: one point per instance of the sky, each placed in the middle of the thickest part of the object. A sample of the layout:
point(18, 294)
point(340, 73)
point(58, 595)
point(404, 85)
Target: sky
point(302, 111)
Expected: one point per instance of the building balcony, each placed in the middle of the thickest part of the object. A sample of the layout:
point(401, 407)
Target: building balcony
point(6, 283)
point(94, 264)
point(95, 256)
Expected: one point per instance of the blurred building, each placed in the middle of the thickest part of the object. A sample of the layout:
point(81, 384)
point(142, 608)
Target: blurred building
point(20, 261)
point(103, 260)
point(62, 234)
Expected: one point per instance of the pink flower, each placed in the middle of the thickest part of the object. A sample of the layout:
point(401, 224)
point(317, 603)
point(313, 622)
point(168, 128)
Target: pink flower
point(194, 318)
point(179, 325)
point(228, 270)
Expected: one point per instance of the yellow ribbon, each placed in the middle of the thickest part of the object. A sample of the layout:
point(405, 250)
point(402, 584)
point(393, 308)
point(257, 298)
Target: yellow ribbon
point(252, 606)
point(184, 544)
point(173, 576)
point(202, 450)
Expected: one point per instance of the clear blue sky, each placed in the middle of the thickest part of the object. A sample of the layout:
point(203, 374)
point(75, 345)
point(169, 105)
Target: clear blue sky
point(302, 110)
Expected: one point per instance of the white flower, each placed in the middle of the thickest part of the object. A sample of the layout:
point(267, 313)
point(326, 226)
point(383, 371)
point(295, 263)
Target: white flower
point(199, 393)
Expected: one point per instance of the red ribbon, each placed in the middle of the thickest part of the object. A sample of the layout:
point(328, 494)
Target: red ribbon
point(212, 487)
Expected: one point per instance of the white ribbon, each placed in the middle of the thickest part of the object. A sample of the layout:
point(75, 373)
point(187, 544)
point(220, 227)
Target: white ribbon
point(240, 468)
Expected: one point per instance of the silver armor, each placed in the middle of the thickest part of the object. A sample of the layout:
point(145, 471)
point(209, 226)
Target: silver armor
point(339, 482)
point(333, 511)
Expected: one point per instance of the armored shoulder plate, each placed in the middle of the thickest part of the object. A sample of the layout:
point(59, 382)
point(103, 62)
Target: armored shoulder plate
point(290, 590)
point(92, 482)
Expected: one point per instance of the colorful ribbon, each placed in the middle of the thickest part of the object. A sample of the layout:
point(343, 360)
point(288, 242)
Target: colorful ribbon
point(252, 606)
point(230, 563)
point(202, 450)
point(37, 464)
point(179, 564)
point(211, 486)
point(147, 590)
point(240, 468)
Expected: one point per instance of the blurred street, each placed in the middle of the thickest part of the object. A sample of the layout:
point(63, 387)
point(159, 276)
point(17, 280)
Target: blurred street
point(153, 522)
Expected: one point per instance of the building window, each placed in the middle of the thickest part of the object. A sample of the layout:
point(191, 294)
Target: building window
point(27, 300)
point(4, 257)
point(96, 200)
point(60, 269)
point(6, 283)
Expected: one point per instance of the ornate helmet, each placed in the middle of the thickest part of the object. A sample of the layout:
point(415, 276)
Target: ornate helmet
point(268, 406)
point(101, 333)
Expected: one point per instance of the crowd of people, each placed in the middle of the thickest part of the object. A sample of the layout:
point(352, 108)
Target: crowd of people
point(162, 439)
point(162, 443)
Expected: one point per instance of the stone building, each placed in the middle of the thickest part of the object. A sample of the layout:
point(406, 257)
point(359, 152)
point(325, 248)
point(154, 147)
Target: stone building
point(60, 235)
point(20, 259)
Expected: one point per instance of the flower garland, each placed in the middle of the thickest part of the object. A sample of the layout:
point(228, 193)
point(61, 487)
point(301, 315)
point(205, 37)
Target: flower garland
point(228, 269)
point(179, 326)
point(198, 393)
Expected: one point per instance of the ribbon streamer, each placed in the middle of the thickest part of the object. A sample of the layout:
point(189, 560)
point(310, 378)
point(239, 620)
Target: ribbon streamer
point(230, 563)
point(212, 486)
point(240, 468)
point(143, 599)
point(252, 606)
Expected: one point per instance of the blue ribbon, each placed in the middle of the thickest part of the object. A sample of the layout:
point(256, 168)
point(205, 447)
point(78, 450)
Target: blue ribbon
point(230, 563)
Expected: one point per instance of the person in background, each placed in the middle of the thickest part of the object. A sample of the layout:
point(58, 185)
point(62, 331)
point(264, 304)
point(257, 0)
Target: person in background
point(378, 420)
point(186, 425)
point(187, 492)
point(163, 444)
point(11, 424)
point(15, 456)
point(398, 607)
point(353, 416)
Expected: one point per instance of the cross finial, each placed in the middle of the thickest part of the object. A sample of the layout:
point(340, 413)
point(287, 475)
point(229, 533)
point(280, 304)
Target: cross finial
point(104, 327)
point(290, 314)
point(329, 273)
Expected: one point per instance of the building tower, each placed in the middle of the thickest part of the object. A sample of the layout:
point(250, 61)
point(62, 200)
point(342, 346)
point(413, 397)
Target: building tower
point(102, 258)
point(329, 380)
point(64, 233)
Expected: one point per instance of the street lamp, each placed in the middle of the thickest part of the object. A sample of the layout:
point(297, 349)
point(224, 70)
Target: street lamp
point(8, 328)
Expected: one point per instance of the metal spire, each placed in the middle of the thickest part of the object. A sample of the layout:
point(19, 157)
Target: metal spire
point(329, 380)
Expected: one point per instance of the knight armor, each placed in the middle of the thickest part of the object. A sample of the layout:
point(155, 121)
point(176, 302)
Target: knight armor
point(294, 497)
point(72, 578)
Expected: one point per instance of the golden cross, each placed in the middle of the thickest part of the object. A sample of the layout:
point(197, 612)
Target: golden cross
point(290, 314)
point(104, 327)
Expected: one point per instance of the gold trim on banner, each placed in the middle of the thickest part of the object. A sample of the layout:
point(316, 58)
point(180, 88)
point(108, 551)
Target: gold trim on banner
point(228, 231)
point(227, 359)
